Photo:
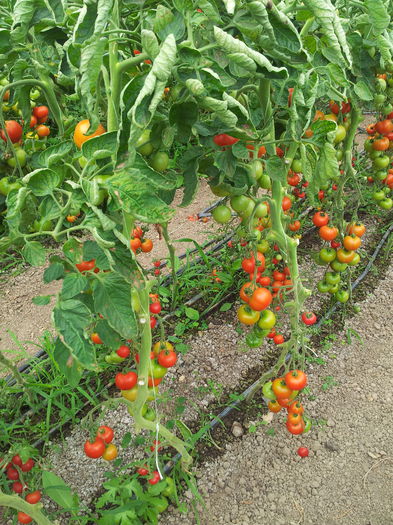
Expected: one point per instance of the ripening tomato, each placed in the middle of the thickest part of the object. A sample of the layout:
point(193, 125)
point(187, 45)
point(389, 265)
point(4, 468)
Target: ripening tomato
point(293, 180)
point(81, 128)
point(247, 316)
point(352, 242)
point(296, 379)
point(110, 452)
point(334, 107)
point(167, 358)
point(260, 299)
point(328, 233)
point(281, 389)
point(295, 226)
point(356, 228)
point(267, 320)
point(14, 131)
point(106, 433)
point(319, 115)
point(248, 264)
point(320, 218)
point(160, 346)
point(381, 144)
point(278, 339)
point(246, 291)
point(94, 449)
point(135, 244)
point(295, 408)
point(96, 339)
point(345, 256)
point(274, 406)
point(42, 131)
point(384, 127)
point(295, 428)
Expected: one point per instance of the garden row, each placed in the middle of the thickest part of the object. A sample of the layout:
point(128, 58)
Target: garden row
point(108, 110)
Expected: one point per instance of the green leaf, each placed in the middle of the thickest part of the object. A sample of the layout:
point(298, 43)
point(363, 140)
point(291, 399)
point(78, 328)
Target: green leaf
point(184, 115)
point(100, 147)
point(41, 300)
point(225, 307)
point(363, 91)
point(43, 181)
point(378, 15)
point(34, 253)
point(22, 14)
point(109, 336)
point(276, 169)
point(51, 155)
point(73, 284)
point(191, 313)
point(58, 491)
point(54, 272)
point(112, 298)
point(71, 318)
point(67, 364)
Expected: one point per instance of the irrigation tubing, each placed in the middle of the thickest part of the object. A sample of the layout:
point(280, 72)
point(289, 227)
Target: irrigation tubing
point(228, 409)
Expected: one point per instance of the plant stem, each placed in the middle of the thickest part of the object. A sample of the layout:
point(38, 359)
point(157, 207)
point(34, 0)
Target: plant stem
point(19, 504)
point(16, 375)
point(172, 257)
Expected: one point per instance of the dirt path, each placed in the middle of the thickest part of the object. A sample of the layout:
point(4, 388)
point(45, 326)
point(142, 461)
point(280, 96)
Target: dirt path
point(348, 477)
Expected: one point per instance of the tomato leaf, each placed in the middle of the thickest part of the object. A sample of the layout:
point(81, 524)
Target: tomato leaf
point(68, 366)
point(58, 491)
point(112, 298)
point(109, 336)
point(41, 300)
point(54, 272)
point(43, 181)
point(100, 147)
point(191, 313)
point(184, 115)
point(34, 253)
point(73, 284)
point(51, 155)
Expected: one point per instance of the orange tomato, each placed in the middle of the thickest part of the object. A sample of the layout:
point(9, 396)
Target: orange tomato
point(328, 233)
point(352, 242)
point(81, 128)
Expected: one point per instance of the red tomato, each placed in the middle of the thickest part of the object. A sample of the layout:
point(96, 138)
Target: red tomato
point(16, 460)
point(40, 112)
point(85, 266)
point(26, 467)
point(13, 129)
point(278, 276)
point(296, 379)
point(286, 203)
point(96, 449)
point(296, 408)
point(17, 487)
point(123, 351)
point(96, 339)
point(167, 358)
point(320, 219)
point(302, 452)
point(33, 497)
point(248, 265)
point(328, 233)
point(155, 478)
point(260, 299)
point(106, 433)
point(278, 339)
point(155, 308)
point(309, 318)
point(126, 381)
point(224, 140)
point(264, 281)
point(24, 518)
point(12, 473)
point(295, 429)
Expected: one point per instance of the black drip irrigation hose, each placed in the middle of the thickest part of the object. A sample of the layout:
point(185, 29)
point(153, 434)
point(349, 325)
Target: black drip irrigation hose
point(227, 410)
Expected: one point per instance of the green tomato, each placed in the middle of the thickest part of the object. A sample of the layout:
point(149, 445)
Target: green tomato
point(4, 81)
point(6, 185)
point(355, 260)
point(379, 99)
point(102, 193)
point(388, 108)
point(342, 296)
point(332, 278)
point(263, 246)
point(245, 214)
point(339, 154)
point(150, 414)
point(158, 370)
point(380, 84)
point(135, 301)
point(143, 145)
point(386, 204)
point(82, 161)
point(35, 94)
point(222, 214)
point(113, 358)
point(296, 165)
point(340, 134)
point(256, 169)
point(379, 195)
point(42, 225)
point(219, 191)
point(20, 155)
point(160, 503)
point(327, 255)
point(159, 161)
point(368, 146)
point(239, 203)
point(265, 182)
point(323, 287)
point(170, 489)
point(338, 266)
point(334, 288)
point(261, 210)
point(267, 320)
point(267, 391)
point(307, 424)
point(380, 175)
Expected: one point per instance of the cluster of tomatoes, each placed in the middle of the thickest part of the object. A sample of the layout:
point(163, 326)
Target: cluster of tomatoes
point(282, 393)
point(380, 140)
point(339, 255)
point(139, 243)
point(158, 160)
point(102, 446)
point(14, 471)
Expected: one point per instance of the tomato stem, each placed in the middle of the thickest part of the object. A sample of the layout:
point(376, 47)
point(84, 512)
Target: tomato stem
point(19, 504)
